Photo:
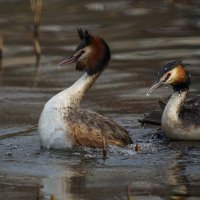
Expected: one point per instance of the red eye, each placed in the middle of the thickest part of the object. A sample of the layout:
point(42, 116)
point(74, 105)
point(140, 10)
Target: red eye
point(82, 52)
point(169, 74)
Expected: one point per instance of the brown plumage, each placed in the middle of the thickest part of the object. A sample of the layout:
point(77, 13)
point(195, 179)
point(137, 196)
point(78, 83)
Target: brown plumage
point(63, 123)
point(180, 75)
point(98, 53)
point(87, 128)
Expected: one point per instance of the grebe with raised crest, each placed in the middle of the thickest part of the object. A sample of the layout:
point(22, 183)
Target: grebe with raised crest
point(180, 118)
point(63, 123)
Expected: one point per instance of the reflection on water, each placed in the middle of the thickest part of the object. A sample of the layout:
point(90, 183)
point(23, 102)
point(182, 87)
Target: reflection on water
point(142, 37)
point(178, 184)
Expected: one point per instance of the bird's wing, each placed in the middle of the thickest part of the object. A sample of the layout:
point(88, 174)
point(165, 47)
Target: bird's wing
point(89, 128)
point(190, 111)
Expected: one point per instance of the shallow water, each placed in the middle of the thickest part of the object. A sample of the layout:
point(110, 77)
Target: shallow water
point(142, 37)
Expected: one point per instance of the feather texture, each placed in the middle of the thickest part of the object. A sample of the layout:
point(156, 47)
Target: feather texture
point(87, 129)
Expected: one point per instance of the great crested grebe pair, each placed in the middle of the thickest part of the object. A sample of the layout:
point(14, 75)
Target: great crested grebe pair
point(63, 124)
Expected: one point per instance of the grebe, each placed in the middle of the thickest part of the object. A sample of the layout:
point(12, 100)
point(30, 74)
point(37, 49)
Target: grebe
point(180, 118)
point(63, 124)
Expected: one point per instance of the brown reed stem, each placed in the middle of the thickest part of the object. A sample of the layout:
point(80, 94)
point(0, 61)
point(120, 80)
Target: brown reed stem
point(53, 197)
point(38, 192)
point(1, 54)
point(128, 192)
point(104, 147)
point(137, 148)
point(36, 6)
point(1, 45)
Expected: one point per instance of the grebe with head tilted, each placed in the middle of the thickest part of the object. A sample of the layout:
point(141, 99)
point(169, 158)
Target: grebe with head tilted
point(180, 118)
point(63, 124)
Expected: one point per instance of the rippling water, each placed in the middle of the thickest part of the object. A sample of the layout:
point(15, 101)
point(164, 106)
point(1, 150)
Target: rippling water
point(142, 36)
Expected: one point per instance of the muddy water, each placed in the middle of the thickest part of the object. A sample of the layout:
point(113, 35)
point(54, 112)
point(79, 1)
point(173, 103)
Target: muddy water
point(142, 37)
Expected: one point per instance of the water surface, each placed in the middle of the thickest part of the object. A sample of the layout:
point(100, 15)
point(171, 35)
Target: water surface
point(142, 37)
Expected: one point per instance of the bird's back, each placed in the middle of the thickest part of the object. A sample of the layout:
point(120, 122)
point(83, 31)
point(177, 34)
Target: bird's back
point(88, 128)
point(190, 112)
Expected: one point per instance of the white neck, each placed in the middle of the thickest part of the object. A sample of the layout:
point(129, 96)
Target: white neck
point(53, 124)
point(170, 117)
point(75, 93)
point(174, 104)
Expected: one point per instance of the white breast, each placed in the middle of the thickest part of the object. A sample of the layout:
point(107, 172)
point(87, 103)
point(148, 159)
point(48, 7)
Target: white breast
point(178, 131)
point(52, 124)
point(172, 125)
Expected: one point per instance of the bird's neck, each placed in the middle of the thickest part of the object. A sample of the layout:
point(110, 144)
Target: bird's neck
point(173, 107)
point(76, 92)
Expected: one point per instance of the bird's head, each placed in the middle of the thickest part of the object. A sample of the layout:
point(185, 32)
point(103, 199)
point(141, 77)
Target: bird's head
point(91, 55)
point(174, 74)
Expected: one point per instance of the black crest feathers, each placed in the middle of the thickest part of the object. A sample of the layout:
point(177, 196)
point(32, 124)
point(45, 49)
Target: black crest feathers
point(97, 58)
point(85, 35)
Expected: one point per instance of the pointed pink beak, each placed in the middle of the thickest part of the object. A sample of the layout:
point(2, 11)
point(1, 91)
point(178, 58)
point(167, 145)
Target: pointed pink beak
point(158, 84)
point(154, 87)
point(71, 59)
